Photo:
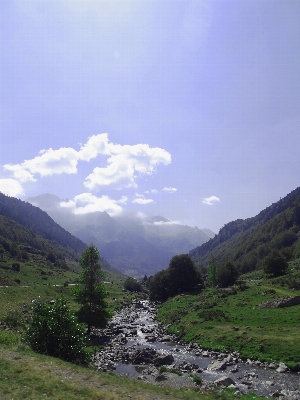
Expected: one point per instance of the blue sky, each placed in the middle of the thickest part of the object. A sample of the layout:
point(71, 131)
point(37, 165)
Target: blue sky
point(185, 109)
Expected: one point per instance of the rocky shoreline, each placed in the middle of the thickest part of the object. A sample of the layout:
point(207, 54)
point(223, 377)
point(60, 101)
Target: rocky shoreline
point(136, 345)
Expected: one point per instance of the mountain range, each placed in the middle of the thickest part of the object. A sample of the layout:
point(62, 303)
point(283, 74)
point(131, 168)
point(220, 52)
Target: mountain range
point(135, 246)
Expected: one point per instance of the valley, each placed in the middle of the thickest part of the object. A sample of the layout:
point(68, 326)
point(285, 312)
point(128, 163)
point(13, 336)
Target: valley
point(249, 326)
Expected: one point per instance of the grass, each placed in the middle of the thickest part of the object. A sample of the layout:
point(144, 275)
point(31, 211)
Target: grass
point(39, 279)
point(24, 374)
point(227, 321)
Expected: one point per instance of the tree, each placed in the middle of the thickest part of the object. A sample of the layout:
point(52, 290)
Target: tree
point(275, 264)
point(51, 257)
point(133, 285)
point(181, 276)
point(14, 250)
point(90, 291)
point(227, 275)
point(212, 273)
point(54, 331)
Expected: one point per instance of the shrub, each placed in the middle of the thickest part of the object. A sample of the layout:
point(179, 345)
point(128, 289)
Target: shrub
point(13, 319)
point(16, 267)
point(197, 380)
point(54, 331)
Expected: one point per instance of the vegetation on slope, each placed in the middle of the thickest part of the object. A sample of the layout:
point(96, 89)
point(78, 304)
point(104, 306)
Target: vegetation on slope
point(38, 222)
point(231, 319)
point(248, 242)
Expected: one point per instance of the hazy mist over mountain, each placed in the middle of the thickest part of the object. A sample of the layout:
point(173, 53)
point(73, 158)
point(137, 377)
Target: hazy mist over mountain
point(131, 242)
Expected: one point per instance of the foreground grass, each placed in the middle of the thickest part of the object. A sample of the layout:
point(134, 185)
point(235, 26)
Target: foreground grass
point(232, 321)
point(26, 375)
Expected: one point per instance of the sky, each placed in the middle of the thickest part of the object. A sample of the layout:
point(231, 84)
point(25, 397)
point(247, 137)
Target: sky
point(185, 109)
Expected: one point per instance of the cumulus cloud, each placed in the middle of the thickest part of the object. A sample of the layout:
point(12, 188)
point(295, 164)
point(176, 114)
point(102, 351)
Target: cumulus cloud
point(210, 200)
point(125, 163)
point(87, 203)
point(11, 187)
point(169, 189)
point(141, 200)
point(49, 162)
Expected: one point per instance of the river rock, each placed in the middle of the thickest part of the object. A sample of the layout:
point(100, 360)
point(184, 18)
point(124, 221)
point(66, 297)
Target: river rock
point(164, 360)
point(145, 356)
point(217, 366)
point(225, 381)
point(282, 368)
point(165, 338)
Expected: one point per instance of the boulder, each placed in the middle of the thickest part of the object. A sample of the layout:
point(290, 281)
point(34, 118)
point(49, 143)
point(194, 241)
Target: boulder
point(282, 368)
point(165, 339)
point(217, 366)
point(144, 356)
point(225, 381)
point(163, 360)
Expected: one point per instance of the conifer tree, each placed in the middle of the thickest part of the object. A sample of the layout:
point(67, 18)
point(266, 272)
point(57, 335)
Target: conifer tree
point(90, 291)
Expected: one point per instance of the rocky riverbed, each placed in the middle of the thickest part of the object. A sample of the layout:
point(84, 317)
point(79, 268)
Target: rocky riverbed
point(137, 346)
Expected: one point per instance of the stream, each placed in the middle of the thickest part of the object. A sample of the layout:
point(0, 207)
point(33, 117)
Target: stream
point(136, 345)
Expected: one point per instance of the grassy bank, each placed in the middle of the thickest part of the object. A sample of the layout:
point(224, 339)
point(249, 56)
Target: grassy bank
point(26, 375)
point(227, 320)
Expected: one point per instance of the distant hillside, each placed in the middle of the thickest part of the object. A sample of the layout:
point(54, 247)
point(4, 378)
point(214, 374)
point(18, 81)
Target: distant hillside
point(134, 246)
point(27, 225)
point(39, 222)
point(247, 242)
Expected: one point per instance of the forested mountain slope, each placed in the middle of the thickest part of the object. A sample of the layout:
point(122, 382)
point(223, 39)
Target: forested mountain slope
point(39, 222)
point(247, 242)
point(23, 225)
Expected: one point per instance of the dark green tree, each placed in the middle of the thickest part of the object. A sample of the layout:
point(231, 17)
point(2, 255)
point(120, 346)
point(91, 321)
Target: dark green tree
point(181, 276)
point(51, 257)
point(14, 250)
point(226, 275)
point(133, 285)
point(90, 292)
point(275, 264)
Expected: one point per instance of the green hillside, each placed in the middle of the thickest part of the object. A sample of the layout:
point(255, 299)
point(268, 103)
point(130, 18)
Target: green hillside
point(38, 222)
point(247, 242)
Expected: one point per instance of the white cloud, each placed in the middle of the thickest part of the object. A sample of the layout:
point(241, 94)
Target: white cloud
point(151, 191)
point(210, 200)
point(124, 164)
point(87, 203)
point(96, 144)
point(50, 162)
point(21, 174)
point(165, 223)
point(142, 200)
point(169, 189)
point(11, 187)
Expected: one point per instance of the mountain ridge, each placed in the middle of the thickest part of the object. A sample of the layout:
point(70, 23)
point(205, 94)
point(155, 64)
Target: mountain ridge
point(134, 246)
point(247, 242)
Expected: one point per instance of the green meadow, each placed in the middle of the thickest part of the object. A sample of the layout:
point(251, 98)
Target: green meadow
point(231, 320)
